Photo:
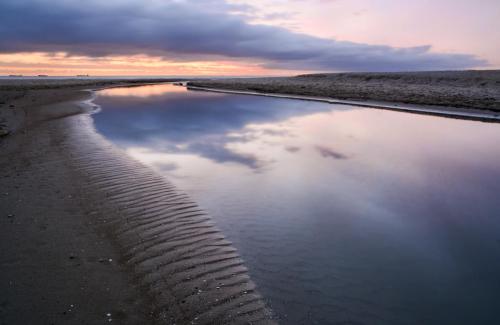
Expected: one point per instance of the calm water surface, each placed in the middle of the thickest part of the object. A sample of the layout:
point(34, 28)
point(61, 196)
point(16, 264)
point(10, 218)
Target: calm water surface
point(343, 214)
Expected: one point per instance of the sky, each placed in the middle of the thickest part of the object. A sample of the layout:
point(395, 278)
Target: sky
point(246, 38)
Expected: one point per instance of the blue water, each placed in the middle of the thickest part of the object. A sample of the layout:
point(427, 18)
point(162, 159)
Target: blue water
point(344, 215)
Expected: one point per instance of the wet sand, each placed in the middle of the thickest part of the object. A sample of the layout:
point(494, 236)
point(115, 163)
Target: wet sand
point(89, 235)
point(459, 93)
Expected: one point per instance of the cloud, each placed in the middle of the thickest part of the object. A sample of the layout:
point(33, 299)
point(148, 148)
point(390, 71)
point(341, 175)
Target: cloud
point(292, 149)
point(188, 29)
point(330, 153)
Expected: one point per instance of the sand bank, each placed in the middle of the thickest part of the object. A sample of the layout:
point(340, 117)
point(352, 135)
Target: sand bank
point(474, 94)
point(476, 115)
point(88, 234)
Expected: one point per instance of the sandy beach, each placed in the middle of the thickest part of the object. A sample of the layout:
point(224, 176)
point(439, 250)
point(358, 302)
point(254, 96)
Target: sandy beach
point(249, 162)
point(458, 93)
point(91, 236)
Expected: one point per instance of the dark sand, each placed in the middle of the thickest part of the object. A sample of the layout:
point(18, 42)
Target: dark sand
point(88, 234)
point(451, 91)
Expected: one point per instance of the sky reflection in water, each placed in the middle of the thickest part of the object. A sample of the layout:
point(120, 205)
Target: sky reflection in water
point(342, 213)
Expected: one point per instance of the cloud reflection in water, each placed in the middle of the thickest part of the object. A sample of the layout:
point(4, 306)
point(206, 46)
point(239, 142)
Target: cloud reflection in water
point(201, 123)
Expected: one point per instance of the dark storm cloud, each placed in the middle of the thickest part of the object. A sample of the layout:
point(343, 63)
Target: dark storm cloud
point(188, 29)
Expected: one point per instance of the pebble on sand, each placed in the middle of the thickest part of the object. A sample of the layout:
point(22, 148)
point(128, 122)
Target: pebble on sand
point(4, 132)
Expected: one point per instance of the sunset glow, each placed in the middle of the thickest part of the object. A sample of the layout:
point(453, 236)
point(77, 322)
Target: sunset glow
point(62, 64)
point(244, 38)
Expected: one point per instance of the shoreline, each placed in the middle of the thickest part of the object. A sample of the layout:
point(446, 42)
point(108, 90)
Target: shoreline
point(88, 231)
point(463, 94)
point(103, 236)
point(419, 109)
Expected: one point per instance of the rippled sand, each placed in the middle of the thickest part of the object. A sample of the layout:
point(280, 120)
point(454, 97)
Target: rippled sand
point(92, 235)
